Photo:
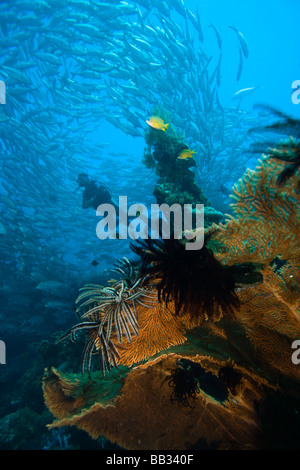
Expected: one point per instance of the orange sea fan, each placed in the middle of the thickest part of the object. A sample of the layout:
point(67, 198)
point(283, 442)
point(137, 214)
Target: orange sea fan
point(266, 221)
point(271, 326)
point(143, 416)
point(159, 329)
point(285, 285)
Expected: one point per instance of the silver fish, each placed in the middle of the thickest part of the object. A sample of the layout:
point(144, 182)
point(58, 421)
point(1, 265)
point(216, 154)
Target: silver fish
point(242, 40)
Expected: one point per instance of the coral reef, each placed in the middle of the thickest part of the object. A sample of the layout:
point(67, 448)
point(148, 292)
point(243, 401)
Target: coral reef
point(200, 377)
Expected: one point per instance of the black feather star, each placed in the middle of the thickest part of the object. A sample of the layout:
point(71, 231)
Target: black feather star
point(197, 283)
point(287, 151)
point(285, 126)
point(185, 386)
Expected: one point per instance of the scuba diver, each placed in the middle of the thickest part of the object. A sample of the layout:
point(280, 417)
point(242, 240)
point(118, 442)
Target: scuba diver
point(94, 192)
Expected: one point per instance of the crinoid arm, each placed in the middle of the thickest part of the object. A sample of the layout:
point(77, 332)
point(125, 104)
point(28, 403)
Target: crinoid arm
point(286, 151)
point(95, 343)
point(195, 281)
point(108, 354)
point(128, 270)
point(285, 126)
point(109, 314)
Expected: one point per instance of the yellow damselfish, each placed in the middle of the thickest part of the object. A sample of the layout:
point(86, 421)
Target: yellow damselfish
point(186, 153)
point(157, 123)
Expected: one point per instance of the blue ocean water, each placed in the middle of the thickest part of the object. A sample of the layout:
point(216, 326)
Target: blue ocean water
point(273, 62)
point(81, 79)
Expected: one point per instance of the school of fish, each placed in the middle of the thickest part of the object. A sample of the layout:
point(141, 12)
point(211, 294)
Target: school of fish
point(69, 68)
